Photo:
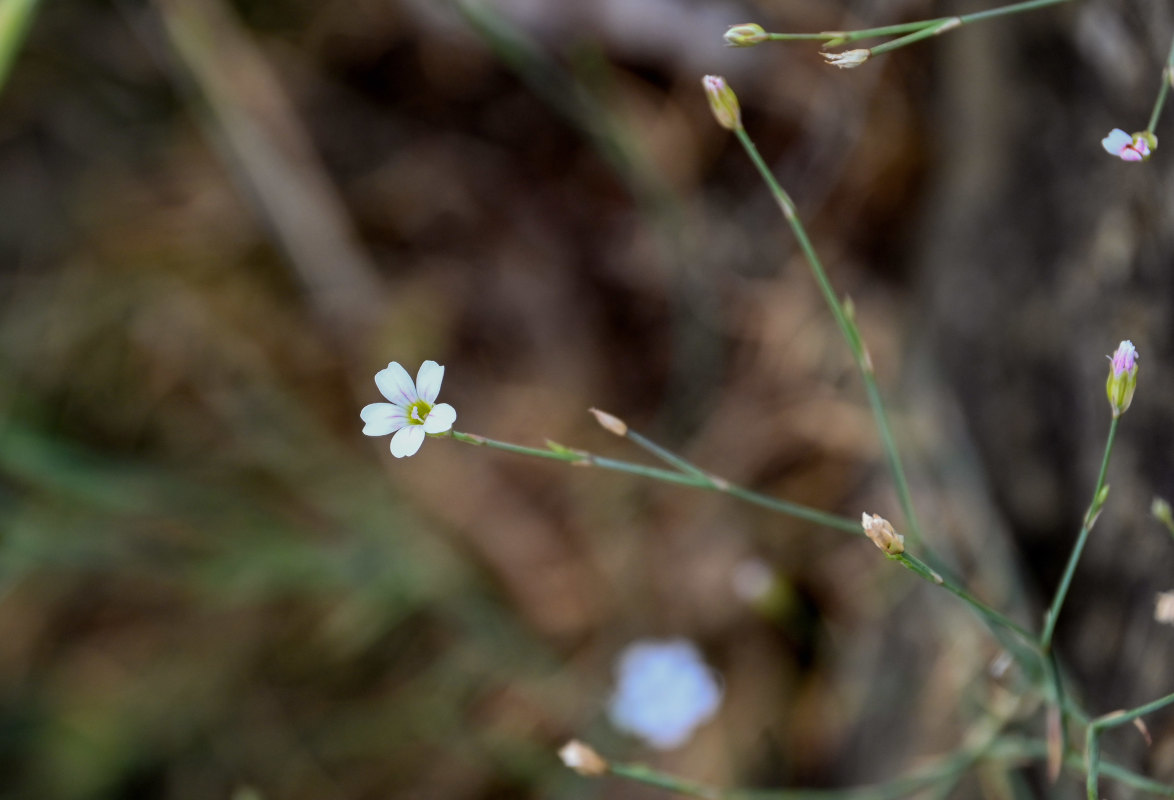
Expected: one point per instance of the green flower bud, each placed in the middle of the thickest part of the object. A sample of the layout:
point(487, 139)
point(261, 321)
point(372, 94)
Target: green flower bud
point(723, 102)
point(1122, 380)
point(747, 34)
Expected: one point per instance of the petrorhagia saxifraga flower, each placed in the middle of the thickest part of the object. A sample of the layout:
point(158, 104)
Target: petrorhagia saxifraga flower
point(413, 410)
point(723, 102)
point(1130, 147)
point(880, 530)
point(1122, 380)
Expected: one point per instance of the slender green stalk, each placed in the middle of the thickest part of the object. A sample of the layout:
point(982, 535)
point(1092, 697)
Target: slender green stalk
point(1163, 90)
point(982, 609)
point(1081, 540)
point(1014, 8)
point(1121, 717)
point(851, 335)
point(15, 18)
point(1092, 745)
point(668, 456)
point(925, 27)
point(949, 23)
point(1033, 749)
point(662, 780)
point(697, 480)
point(1092, 761)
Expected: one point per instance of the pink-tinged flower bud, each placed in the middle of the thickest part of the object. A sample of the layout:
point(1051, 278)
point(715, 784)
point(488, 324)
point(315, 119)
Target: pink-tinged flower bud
point(1130, 147)
point(582, 759)
point(1122, 380)
point(848, 59)
point(723, 102)
point(747, 34)
point(881, 532)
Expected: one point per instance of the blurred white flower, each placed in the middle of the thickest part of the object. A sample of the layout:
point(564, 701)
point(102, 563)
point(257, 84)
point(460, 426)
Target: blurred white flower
point(1164, 607)
point(411, 412)
point(664, 690)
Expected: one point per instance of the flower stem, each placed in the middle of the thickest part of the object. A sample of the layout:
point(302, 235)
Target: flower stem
point(1121, 717)
point(1092, 743)
point(982, 609)
point(695, 478)
point(851, 335)
point(1163, 90)
point(925, 27)
point(1081, 540)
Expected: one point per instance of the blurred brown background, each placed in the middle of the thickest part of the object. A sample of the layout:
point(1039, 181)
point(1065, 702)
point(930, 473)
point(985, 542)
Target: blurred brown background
point(221, 219)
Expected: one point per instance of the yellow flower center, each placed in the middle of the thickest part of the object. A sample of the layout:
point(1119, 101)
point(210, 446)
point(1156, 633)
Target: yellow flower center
point(418, 412)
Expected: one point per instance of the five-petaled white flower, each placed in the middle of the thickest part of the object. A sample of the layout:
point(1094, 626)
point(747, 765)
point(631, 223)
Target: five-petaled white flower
point(413, 410)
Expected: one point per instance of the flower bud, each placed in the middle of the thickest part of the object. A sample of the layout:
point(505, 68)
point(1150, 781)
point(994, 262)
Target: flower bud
point(582, 759)
point(882, 534)
point(1122, 378)
point(747, 34)
point(848, 59)
point(610, 423)
point(723, 102)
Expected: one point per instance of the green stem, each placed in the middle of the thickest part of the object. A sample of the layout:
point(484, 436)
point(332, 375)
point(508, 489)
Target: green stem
point(661, 780)
point(926, 27)
point(851, 335)
point(938, 27)
point(982, 609)
point(697, 480)
point(665, 455)
point(1121, 717)
point(1163, 90)
point(1092, 761)
point(1081, 540)
point(1092, 744)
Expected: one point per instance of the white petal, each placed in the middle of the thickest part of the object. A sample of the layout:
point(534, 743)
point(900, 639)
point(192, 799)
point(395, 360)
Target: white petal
point(407, 441)
point(440, 418)
point(396, 384)
point(428, 381)
point(1115, 141)
point(382, 419)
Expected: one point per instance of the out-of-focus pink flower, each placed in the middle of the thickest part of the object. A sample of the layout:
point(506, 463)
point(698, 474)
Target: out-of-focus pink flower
point(1135, 147)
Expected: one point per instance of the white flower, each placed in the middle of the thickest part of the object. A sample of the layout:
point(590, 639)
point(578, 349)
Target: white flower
point(411, 412)
point(664, 691)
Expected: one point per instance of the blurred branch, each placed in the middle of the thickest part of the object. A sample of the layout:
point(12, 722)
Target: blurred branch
point(15, 17)
point(247, 114)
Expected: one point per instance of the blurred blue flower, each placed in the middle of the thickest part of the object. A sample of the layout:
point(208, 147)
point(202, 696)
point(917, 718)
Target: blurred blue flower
point(664, 690)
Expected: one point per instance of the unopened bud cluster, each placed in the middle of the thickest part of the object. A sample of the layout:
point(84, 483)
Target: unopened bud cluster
point(880, 530)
